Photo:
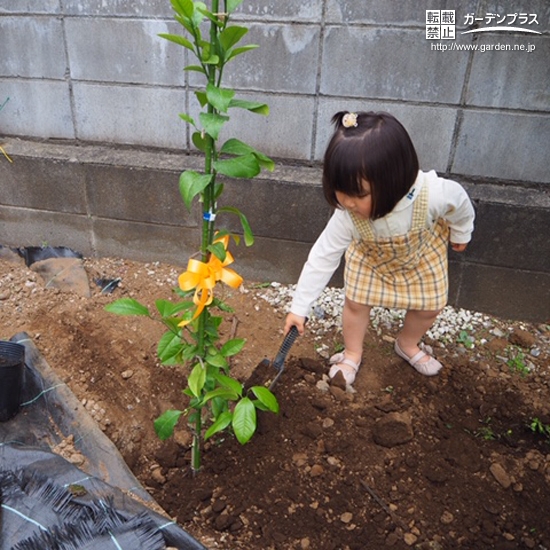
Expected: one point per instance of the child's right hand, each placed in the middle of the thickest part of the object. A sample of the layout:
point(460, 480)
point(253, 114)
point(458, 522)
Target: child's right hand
point(295, 320)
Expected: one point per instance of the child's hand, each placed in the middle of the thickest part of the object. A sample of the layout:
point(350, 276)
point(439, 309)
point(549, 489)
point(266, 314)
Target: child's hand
point(459, 247)
point(294, 320)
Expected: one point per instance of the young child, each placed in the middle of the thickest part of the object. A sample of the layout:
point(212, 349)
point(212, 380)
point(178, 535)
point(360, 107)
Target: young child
point(393, 222)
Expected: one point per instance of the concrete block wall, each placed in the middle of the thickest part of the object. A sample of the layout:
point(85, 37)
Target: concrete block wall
point(95, 93)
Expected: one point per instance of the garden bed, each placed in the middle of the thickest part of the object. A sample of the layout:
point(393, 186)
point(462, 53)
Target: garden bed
point(460, 460)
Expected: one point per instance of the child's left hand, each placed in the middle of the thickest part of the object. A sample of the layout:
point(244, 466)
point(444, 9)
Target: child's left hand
point(459, 247)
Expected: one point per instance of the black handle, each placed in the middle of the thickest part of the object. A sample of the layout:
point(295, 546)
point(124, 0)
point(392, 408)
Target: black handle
point(290, 337)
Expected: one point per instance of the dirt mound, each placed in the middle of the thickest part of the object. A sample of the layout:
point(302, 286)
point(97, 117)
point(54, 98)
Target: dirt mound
point(461, 460)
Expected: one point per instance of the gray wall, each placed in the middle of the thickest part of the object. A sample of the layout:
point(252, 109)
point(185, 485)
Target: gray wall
point(94, 80)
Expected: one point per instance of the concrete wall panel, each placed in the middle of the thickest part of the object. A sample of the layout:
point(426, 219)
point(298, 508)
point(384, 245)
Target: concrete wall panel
point(145, 242)
point(308, 11)
point(127, 193)
point(386, 63)
point(295, 49)
point(43, 55)
point(506, 78)
point(394, 13)
point(504, 237)
point(26, 227)
point(30, 6)
point(118, 8)
point(37, 108)
point(503, 146)
point(110, 57)
point(506, 292)
point(130, 114)
point(43, 185)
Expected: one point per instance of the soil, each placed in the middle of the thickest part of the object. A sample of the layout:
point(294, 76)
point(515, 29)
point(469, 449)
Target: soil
point(460, 460)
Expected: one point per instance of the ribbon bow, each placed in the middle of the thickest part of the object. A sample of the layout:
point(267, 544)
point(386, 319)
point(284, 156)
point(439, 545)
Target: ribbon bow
point(203, 277)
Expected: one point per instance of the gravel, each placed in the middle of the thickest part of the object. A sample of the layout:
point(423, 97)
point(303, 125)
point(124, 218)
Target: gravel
point(327, 312)
point(453, 325)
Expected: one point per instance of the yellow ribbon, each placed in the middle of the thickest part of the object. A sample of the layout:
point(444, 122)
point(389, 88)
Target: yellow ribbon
point(203, 277)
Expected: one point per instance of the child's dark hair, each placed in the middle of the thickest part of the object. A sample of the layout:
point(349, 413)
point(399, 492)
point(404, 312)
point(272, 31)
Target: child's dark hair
point(374, 147)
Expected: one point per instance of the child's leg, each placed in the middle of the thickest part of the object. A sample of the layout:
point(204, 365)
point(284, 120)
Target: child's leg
point(355, 321)
point(416, 324)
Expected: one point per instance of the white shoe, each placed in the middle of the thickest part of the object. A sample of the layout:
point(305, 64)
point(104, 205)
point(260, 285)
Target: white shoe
point(346, 366)
point(428, 368)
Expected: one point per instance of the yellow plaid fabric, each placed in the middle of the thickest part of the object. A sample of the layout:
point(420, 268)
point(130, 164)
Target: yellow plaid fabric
point(404, 272)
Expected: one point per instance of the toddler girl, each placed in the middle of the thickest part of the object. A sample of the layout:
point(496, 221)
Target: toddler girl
point(393, 222)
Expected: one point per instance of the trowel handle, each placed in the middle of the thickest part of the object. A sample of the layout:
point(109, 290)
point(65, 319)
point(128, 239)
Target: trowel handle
point(290, 337)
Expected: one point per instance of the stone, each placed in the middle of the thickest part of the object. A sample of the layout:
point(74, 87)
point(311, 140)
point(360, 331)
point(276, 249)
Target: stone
point(346, 517)
point(158, 477)
point(312, 430)
point(393, 429)
point(312, 365)
point(522, 338)
point(66, 274)
point(224, 521)
point(500, 474)
point(316, 470)
point(446, 518)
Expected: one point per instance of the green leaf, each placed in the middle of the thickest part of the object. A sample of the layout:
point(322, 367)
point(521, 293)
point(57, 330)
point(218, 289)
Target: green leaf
point(214, 18)
point(127, 306)
point(191, 184)
point(201, 96)
point(224, 393)
point(169, 348)
point(218, 249)
point(187, 118)
point(218, 190)
point(239, 51)
point(219, 98)
point(168, 309)
point(216, 360)
point(266, 398)
point(231, 5)
point(210, 59)
point(232, 347)
point(248, 236)
point(220, 424)
point(176, 38)
point(245, 166)
point(234, 146)
point(244, 420)
point(198, 15)
point(212, 123)
point(253, 106)
point(228, 382)
point(198, 141)
point(219, 406)
point(231, 35)
point(183, 7)
point(166, 422)
point(196, 379)
point(196, 68)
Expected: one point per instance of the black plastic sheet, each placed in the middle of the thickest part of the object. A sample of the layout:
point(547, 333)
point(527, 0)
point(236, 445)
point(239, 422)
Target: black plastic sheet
point(41, 493)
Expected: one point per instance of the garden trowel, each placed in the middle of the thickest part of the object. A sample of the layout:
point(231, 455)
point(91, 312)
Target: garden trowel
point(267, 372)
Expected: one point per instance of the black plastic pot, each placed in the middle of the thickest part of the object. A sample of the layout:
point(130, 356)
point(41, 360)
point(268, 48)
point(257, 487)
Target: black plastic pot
point(12, 365)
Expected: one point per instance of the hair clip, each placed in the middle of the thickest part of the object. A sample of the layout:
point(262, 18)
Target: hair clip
point(349, 120)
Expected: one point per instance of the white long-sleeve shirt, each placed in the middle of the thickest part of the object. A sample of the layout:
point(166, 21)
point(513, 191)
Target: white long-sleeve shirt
point(447, 199)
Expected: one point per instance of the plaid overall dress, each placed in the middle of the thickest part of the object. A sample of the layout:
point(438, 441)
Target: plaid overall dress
point(404, 272)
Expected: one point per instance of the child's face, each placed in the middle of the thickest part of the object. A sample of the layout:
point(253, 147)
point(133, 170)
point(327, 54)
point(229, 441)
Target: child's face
point(361, 205)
